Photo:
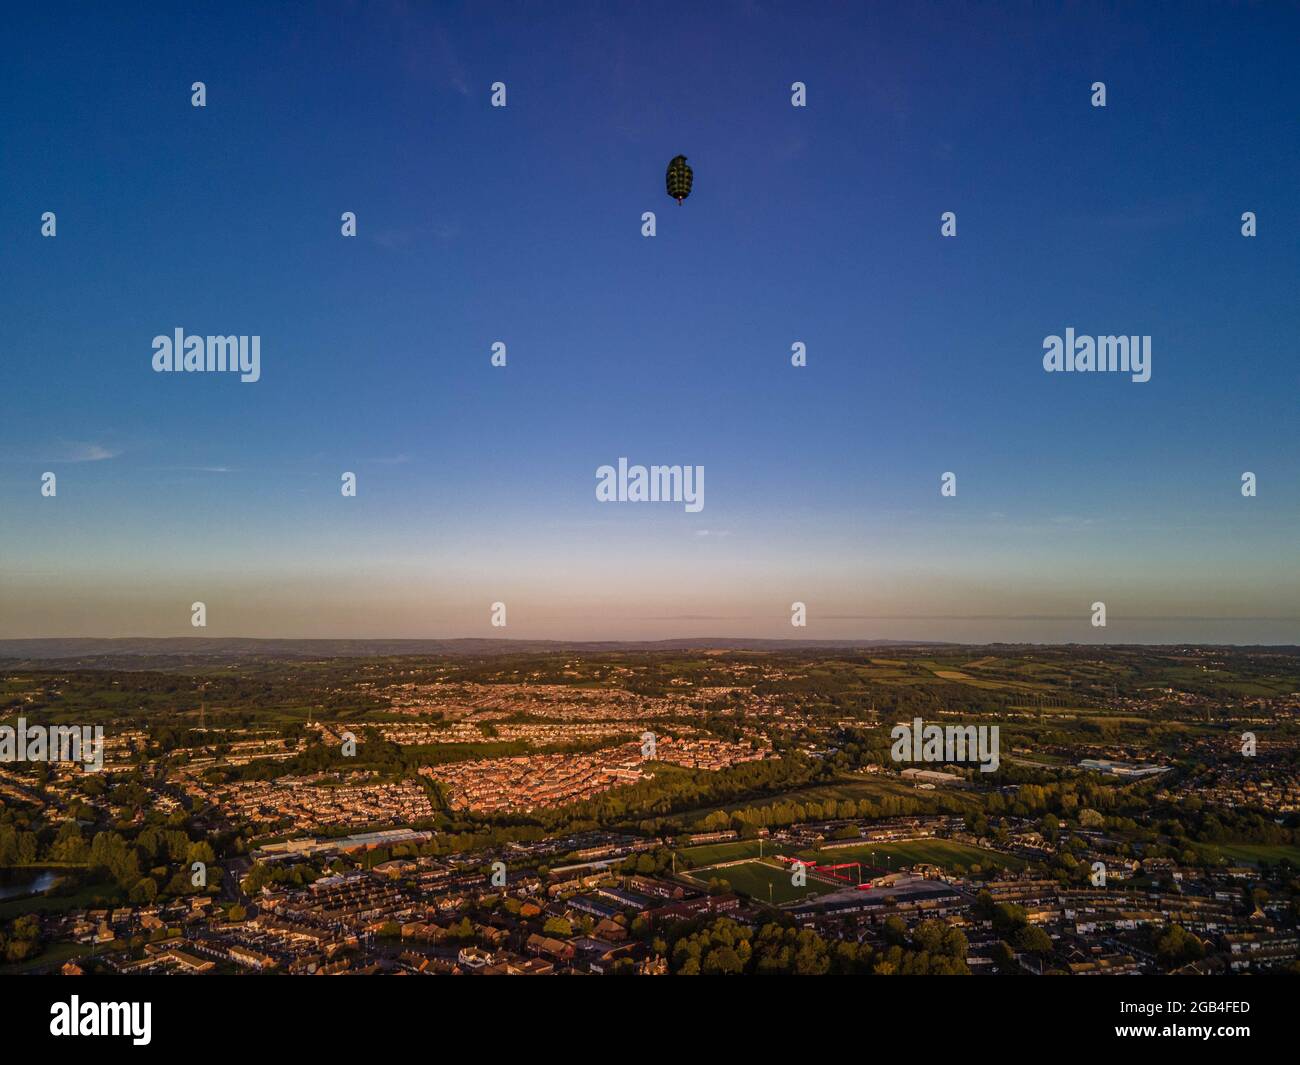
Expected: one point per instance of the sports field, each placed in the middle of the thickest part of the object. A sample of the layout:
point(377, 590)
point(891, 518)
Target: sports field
point(764, 882)
point(1249, 853)
point(941, 852)
point(712, 853)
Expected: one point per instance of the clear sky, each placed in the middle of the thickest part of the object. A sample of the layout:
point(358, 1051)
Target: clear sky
point(522, 224)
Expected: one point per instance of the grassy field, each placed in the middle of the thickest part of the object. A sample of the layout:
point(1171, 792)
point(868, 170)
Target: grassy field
point(1249, 853)
point(712, 853)
point(55, 955)
point(941, 852)
point(755, 878)
point(849, 786)
point(91, 895)
point(874, 788)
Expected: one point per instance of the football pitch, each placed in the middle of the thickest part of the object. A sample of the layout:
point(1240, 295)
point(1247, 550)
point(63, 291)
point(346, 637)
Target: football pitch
point(763, 882)
point(712, 853)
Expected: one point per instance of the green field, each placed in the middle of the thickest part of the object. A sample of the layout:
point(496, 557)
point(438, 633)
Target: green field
point(1249, 853)
point(848, 786)
point(941, 852)
point(712, 853)
point(53, 956)
point(84, 897)
point(754, 879)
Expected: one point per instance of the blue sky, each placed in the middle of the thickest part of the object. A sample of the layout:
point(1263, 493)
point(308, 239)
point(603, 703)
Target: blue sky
point(522, 224)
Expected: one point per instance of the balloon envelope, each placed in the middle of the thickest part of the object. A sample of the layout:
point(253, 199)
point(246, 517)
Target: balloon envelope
point(679, 178)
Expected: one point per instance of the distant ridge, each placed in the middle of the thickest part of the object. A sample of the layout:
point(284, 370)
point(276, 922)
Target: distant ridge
point(147, 652)
point(207, 648)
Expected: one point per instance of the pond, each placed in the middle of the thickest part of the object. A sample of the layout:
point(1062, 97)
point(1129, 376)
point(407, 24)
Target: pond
point(43, 881)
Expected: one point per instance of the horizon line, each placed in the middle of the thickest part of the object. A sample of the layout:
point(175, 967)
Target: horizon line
point(702, 641)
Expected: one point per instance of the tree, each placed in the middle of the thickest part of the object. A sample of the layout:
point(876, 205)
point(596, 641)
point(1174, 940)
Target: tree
point(1007, 917)
point(1176, 945)
point(722, 961)
point(144, 891)
point(1033, 940)
point(68, 845)
point(200, 851)
point(558, 927)
point(895, 930)
point(1004, 957)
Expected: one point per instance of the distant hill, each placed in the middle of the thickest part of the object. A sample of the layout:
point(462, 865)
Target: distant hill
point(142, 652)
point(135, 652)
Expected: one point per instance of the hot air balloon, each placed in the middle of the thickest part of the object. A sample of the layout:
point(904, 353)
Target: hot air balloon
point(679, 178)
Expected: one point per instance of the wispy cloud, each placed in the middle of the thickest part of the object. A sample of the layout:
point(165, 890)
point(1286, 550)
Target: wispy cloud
point(83, 452)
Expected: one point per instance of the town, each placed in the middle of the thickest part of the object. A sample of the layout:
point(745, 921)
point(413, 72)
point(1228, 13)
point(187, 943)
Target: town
point(660, 813)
